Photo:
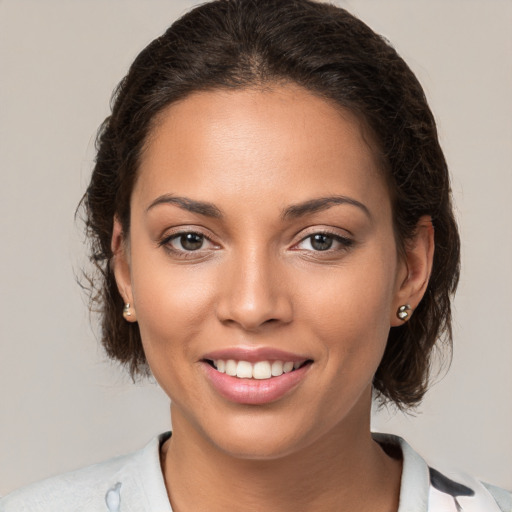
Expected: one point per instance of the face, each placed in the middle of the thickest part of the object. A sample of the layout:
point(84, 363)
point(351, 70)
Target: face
point(261, 240)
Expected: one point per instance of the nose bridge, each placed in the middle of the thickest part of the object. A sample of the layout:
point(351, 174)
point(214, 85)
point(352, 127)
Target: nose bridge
point(254, 292)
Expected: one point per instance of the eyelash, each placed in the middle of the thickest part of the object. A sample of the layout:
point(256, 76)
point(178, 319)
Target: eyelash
point(183, 253)
point(344, 242)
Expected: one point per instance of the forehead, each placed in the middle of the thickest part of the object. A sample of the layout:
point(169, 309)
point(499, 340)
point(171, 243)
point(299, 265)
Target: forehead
point(281, 142)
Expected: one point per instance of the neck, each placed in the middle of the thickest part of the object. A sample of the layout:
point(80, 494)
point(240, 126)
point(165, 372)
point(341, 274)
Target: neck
point(344, 470)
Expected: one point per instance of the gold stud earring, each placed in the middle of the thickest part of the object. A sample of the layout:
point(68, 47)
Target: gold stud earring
point(402, 312)
point(126, 310)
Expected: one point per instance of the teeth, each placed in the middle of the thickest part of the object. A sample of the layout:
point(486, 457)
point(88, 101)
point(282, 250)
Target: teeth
point(244, 370)
point(231, 367)
point(277, 368)
point(287, 367)
point(260, 370)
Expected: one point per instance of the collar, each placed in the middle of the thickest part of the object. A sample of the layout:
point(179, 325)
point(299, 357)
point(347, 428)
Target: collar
point(415, 481)
point(414, 484)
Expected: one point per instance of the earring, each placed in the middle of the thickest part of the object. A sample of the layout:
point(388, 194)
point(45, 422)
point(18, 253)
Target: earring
point(402, 312)
point(126, 310)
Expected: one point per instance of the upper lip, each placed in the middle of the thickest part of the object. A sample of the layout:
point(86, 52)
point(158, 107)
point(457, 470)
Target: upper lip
point(255, 354)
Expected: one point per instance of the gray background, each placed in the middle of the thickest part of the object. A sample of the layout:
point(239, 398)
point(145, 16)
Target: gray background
point(62, 405)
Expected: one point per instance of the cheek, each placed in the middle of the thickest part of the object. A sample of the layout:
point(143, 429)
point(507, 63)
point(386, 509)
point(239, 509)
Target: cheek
point(350, 311)
point(172, 302)
point(171, 305)
point(350, 300)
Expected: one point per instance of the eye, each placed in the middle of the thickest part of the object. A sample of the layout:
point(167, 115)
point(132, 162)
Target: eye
point(187, 242)
point(320, 242)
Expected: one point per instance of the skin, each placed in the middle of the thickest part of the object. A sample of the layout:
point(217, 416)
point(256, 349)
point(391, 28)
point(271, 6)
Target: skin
point(258, 281)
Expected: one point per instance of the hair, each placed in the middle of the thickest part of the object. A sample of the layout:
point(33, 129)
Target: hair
point(235, 44)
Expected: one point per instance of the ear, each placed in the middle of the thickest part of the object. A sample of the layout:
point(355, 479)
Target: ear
point(120, 265)
point(415, 269)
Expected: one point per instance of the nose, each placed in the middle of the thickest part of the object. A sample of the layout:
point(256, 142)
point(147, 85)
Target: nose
point(254, 293)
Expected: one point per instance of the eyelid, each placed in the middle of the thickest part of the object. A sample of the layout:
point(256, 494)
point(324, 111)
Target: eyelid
point(324, 230)
point(345, 241)
point(164, 241)
point(178, 231)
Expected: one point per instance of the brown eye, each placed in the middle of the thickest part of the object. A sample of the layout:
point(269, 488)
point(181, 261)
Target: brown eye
point(187, 242)
point(321, 242)
point(191, 241)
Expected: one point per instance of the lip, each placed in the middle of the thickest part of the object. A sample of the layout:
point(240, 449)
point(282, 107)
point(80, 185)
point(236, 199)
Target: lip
point(254, 391)
point(255, 354)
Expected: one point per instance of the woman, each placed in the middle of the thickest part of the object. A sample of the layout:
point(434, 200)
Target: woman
point(270, 210)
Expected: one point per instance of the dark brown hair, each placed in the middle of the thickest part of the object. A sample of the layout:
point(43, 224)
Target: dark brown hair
point(246, 43)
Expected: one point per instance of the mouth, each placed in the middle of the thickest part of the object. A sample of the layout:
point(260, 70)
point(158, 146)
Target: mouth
point(255, 376)
point(258, 370)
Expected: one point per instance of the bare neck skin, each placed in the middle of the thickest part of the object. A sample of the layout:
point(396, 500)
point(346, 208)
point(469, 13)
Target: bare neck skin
point(345, 470)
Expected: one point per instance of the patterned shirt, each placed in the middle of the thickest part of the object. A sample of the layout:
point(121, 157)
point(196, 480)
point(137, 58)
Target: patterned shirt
point(134, 483)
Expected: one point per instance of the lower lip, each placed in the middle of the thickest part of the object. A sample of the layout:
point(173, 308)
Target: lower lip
point(254, 391)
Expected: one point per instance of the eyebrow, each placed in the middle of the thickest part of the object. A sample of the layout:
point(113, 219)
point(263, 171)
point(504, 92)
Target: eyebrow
point(191, 205)
point(320, 204)
point(291, 212)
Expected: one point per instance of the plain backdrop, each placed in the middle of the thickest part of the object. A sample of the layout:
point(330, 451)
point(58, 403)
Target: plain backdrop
point(62, 405)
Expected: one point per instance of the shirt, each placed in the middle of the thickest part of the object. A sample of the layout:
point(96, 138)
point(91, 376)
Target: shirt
point(134, 483)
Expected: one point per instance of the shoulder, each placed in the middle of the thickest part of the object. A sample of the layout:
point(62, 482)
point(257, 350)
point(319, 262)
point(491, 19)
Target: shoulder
point(467, 492)
point(84, 489)
point(94, 488)
point(426, 489)
point(502, 497)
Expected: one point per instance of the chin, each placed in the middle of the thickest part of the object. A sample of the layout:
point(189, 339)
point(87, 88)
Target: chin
point(262, 448)
point(256, 436)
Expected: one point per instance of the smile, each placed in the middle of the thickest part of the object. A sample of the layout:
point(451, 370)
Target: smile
point(254, 375)
point(258, 370)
